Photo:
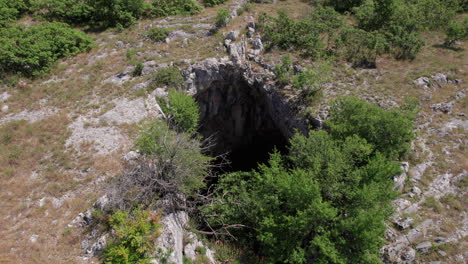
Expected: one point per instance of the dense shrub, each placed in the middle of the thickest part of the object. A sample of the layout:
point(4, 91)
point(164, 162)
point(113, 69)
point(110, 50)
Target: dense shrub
point(74, 12)
point(170, 77)
point(33, 50)
point(11, 10)
point(134, 237)
point(213, 2)
point(175, 7)
point(390, 131)
point(222, 17)
point(182, 111)
point(158, 34)
point(324, 202)
point(456, 31)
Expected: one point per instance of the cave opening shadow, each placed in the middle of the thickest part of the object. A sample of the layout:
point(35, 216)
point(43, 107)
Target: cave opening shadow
point(238, 117)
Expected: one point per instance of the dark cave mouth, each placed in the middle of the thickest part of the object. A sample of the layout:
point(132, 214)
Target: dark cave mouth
point(238, 117)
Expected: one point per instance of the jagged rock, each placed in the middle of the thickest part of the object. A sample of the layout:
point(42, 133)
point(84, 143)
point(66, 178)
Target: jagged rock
point(424, 246)
point(251, 24)
point(445, 108)
point(237, 51)
point(96, 247)
point(416, 190)
point(233, 35)
point(33, 238)
point(172, 236)
point(400, 179)
point(4, 96)
point(119, 79)
point(119, 44)
point(440, 78)
point(131, 156)
point(101, 203)
point(190, 249)
point(257, 44)
point(403, 223)
point(422, 81)
point(5, 108)
point(250, 32)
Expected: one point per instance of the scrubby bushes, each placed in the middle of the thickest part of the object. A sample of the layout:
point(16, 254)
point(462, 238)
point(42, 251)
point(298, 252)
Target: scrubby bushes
point(134, 237)
point(32, 51)
point(169, 76)
point(182, 111)
point(113, 13)
point(383, 26)
point(11, 10)
point(158, 34)
point(222, 17)
point(390, 131)
point(175, 7)
point(456, 31)
point(324, 202)
point(213, 2)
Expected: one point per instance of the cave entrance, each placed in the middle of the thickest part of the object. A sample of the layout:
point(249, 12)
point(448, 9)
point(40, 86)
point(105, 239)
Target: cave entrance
point(238, 117)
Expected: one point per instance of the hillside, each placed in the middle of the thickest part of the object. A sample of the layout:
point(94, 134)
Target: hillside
point(171, 112)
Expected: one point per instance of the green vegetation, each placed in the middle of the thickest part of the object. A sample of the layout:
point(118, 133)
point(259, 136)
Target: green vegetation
point(175, 7)
point(222, 17)
point(158, 34)
point(213, 2)
point(112, 13)
point(31, 51)
point(327, 200)
point(169, 76)
point(389, 131)
point(134, 238)
point(382, 26)
point(456, 31)
point(138, 69)
point(310, 81)
point(182, 111)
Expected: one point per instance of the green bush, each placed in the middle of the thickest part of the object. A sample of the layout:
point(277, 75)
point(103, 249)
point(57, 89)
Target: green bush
point(213, 2)
point(310, 81)
point(11, 10)
point(182, 111)
point(456, 31)
point(170, 77)
point(175, 7)
point(138, 69)
point(390, 131)
point(328, 199)
point(325, 202)
point(134, 237)
point(284, 71)
point(32, 51)
point(179, 158)
point(158, 34)
point(97, 13)
point(222, 17)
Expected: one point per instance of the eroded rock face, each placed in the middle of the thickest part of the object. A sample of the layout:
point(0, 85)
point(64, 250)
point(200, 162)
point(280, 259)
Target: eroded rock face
point(241, 108)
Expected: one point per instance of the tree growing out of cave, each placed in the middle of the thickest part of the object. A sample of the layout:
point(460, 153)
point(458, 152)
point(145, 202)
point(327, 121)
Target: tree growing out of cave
point(327, 200)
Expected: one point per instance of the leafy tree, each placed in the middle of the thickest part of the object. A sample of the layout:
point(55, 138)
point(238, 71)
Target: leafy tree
point(390, 131)
point(32, 51)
